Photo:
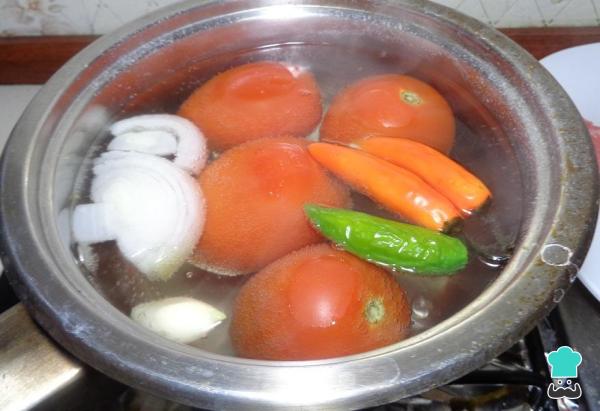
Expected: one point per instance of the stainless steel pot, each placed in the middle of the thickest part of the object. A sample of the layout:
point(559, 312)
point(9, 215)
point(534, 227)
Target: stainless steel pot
point(529, 120)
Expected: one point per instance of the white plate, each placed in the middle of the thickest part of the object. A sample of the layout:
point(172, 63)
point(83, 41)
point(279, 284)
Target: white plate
point(578, 70)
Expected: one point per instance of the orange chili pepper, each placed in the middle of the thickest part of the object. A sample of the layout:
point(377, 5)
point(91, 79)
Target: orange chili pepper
point(453, 181)
point(396, 188)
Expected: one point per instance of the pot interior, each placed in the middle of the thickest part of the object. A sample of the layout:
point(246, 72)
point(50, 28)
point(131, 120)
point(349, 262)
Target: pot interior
point(155, 70)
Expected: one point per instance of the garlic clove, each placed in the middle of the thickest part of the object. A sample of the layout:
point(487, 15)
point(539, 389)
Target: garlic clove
point(180, 319)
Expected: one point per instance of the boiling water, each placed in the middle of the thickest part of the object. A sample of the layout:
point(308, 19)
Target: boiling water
point(480, 146)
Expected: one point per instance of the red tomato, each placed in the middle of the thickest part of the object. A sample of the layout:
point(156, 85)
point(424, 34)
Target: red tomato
point(390, 106)
point(254, 197)
point(253, 101)
point(594, 131)
point(315, 303)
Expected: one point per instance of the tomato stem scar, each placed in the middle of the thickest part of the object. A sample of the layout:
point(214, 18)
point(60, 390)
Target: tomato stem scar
point(375, 311)
point(410, 97)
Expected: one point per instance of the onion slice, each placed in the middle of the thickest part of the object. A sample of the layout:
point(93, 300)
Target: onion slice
point(94, 223)
point(180, 319)
point(157, 142)
point(154, 210)
point(190, 153)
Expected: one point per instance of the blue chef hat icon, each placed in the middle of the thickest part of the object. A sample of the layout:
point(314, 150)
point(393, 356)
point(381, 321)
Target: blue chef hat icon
point(564, 362)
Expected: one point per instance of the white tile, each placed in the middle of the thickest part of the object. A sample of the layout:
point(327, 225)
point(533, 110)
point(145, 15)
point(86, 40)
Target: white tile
point(39, 17)
point(473, 8)
point(17, 19)
point(49, 17)
point(106, 19)
point(577, 13)
point(552, 8)
point(449, 3)
point(496, 9)
point(111, 14)
point(73, 16)
point(522, 14)
point(596, 4)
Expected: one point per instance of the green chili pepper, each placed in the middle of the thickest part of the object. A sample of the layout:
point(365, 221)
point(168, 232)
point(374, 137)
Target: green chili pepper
point(389, 243)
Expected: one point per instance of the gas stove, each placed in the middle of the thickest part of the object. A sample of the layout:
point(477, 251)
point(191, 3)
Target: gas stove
point(516, 380)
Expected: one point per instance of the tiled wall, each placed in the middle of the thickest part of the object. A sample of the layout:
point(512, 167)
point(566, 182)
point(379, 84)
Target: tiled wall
point(530, 13)
point(52, 17)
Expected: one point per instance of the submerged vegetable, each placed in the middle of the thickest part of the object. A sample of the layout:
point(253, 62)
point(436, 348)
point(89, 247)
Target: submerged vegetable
point(148, 204)
point(390, 106)
point(254, 197)
point(594, 131)
point(318, 302)
point(390, 243)
point(162, 134)
point(396, 188)
point(462, 188)
point(180, 319)
point(253, 101)
point(154, 210)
